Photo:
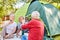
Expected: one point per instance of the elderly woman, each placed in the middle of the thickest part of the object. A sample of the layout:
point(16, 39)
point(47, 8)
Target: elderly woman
point(10, 27)
point(35, 26)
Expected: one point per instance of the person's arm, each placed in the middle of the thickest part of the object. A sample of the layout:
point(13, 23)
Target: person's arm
point(18, 32)
point(11, 34)
point(19, 29)
point(27, 26)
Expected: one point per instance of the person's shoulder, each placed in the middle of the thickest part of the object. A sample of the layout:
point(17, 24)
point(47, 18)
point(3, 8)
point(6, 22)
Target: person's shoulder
point(15, 23)
point(33, 20)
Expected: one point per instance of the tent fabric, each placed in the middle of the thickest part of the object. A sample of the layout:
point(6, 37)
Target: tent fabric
point(49, 14)
point(53, 20)
point(35, 6)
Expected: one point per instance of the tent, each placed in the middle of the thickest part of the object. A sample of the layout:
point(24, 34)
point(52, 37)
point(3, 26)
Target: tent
point(50, 16)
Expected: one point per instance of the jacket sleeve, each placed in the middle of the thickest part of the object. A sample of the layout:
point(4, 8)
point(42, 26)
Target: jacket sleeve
point(27, 26)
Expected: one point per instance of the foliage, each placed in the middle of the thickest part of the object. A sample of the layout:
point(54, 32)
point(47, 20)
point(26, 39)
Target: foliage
point(6, 6)
point(56, 3)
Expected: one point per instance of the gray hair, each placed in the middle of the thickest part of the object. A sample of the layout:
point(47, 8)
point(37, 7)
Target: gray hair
point(11, 15)
point(35, 14)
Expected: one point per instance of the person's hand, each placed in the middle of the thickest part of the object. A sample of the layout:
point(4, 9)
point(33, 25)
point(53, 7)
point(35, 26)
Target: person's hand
point(17, 34)
point(6, 36)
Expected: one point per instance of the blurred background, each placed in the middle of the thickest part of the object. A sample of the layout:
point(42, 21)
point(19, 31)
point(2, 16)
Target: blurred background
point(20, 8)
point(6, 6)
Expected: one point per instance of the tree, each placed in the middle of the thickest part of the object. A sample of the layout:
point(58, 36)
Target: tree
point(6, 6)
point(53, 2)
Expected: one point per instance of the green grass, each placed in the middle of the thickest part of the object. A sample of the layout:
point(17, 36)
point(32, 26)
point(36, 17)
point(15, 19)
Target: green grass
point(21, 12)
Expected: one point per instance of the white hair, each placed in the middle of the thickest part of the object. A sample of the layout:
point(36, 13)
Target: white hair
point(35, 14)
point(12, 15)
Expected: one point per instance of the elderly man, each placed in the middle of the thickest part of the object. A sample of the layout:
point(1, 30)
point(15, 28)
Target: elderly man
point(35, 26)
point(10, 26)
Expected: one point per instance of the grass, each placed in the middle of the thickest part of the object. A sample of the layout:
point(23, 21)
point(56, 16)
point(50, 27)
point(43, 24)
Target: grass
point(21, 12)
